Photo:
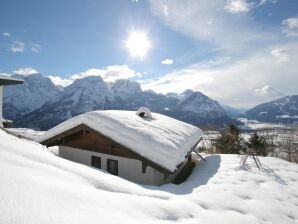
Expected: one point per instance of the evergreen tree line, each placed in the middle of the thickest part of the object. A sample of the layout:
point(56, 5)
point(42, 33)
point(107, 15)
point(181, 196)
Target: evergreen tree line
point(230, 141)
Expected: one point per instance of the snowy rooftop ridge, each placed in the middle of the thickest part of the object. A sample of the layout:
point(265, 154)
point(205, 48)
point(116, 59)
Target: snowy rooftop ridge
point(161, 139)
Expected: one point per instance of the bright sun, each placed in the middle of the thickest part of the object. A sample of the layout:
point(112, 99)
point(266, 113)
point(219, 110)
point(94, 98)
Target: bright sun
point(138, 44)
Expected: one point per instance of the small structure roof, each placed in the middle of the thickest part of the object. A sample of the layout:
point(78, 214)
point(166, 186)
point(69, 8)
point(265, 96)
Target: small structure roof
point(161, 139)
point(6, 80)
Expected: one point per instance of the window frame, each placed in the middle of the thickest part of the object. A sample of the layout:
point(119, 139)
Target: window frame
point(111, 161)
point(94, 161)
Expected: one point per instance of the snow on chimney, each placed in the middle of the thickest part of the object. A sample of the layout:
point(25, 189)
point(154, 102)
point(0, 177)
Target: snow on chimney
point(144, 112)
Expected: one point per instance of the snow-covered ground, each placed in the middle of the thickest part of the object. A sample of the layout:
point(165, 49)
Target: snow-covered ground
point(39, 187)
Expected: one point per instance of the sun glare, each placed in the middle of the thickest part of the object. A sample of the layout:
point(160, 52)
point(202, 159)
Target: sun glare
point(138, 44)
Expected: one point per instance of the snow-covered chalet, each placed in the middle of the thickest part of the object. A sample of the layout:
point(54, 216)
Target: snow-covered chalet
point(143, 147)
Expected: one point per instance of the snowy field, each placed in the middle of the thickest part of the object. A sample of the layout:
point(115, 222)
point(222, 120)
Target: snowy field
point(39, 187)
point(253, 125)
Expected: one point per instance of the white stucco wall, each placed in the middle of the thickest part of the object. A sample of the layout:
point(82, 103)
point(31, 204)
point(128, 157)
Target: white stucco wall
point(1, 105)
point(129, 169)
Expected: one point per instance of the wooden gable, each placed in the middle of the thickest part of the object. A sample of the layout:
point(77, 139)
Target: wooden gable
point(85, 138)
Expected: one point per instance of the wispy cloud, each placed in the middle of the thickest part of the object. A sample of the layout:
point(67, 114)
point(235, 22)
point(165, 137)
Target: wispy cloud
point(6, 34)
point(57, 80)
point(17, 47)
point(167, 61)
point(281, 55)
point(244, 6)
point(290, 26)
point(25, 71)
point(108, 74)
point(35, 47)
point(166, 10)
point(209, 21)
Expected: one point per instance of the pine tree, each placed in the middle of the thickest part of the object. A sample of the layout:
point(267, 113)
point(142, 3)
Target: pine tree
point(228, 142)
point(258, 144)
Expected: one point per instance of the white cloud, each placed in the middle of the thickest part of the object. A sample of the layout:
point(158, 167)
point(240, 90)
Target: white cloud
point(25, 71)
point(35, 47)
point(267, 91)
point(238, 6)
point(290, 26)
point(17, 46)
point(108, 74)
point(234, 82)
point(6, 34)
point(167, 61)
point(281, 55)
point(57, 80)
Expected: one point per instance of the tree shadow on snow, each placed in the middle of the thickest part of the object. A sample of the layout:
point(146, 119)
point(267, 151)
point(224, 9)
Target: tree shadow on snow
point(269, 172)
point(200, 176)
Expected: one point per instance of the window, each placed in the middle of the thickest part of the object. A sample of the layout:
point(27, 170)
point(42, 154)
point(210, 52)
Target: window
point(113, 166)
point(96, 162)
point(144, 166)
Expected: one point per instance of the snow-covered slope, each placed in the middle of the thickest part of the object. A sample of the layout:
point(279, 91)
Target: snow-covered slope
point(124, 88)
point(32, 94)
point(88, 94)
point(198, 102)
point(198, 109)
point(38, 187)
point(233, 111)
point(283, 110)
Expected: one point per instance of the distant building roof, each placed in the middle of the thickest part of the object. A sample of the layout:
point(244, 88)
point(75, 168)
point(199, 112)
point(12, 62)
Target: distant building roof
point(161, 139)
point(6, 80)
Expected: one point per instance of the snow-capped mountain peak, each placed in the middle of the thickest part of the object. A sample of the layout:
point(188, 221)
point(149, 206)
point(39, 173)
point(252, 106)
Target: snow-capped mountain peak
point(92, 93)
point(124, 88)
point(26, 97)
point(283, 110)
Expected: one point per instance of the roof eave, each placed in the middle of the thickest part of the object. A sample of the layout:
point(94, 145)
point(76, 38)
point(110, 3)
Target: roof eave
point(82, 126)
point(10, 81)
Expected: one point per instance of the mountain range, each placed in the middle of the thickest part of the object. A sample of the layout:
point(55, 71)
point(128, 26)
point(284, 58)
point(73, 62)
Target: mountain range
point(39, 104)
point(283, 110)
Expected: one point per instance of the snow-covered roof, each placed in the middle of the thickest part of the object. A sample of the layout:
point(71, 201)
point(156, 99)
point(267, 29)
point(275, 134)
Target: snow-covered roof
point(161, 139)
point(6, 80)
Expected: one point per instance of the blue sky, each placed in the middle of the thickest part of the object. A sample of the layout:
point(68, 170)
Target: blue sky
point(240, 52)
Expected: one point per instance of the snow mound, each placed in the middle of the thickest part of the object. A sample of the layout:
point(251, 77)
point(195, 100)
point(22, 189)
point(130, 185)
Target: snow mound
point(159, 138)
point(26, 132)
point(38, 187)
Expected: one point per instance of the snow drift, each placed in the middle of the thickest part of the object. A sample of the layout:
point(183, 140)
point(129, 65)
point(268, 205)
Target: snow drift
point(38, 187)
